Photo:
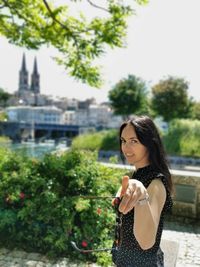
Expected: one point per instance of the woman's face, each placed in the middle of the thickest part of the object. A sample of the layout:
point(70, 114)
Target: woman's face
point(134, 152)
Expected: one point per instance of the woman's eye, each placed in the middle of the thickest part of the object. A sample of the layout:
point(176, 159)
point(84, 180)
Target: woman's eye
point(133, 141)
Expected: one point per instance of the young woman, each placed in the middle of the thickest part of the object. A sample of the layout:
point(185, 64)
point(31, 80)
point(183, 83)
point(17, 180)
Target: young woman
point(145, 197)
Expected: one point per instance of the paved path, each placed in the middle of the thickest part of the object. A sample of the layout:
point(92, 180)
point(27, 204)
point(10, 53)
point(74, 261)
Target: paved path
point(188, 237)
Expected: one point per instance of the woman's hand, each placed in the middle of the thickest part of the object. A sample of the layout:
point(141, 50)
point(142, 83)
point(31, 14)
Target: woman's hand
point(131, 191)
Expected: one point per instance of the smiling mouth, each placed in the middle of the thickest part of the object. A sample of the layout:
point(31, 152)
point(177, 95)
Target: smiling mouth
point(129, 155)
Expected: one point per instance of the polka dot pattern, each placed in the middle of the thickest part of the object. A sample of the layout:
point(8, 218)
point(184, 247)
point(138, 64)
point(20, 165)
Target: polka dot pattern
point(129, 253)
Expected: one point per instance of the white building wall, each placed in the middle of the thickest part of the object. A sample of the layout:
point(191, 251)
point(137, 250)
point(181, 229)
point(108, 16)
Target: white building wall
point(95, 116)
point(49, 115)
point(82, 117)
point(69, 117)
point(98, 115)
point(114, 121)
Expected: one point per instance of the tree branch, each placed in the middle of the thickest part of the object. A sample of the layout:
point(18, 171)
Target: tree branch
point(7, 4)
point(60, 23)
point(54, 17)
point(73, 34)
point(99, 7)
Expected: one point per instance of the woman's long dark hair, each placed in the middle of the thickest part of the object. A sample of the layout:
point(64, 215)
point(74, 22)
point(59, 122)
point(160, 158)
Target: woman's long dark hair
point(148, 135)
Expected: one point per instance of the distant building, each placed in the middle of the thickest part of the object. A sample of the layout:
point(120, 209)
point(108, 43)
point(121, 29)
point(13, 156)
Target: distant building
point(35, 79)
point(85, 104)
point(28, 93)
point(23, 78)
point(29, 105)
point(96, 116)
point(69, 117)
point(48, 115)
point(24, 89)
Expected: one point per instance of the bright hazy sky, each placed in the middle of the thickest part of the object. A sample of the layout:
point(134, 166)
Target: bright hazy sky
point(163, 39)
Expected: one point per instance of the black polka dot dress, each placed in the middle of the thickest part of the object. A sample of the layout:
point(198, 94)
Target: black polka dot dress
point(129, 253)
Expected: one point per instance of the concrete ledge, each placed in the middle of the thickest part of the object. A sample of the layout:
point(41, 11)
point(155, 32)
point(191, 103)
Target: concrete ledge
point(170, 249)
point(187, 191)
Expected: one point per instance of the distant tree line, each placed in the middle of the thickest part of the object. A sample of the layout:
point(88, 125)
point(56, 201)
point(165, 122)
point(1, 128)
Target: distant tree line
point(168, 98)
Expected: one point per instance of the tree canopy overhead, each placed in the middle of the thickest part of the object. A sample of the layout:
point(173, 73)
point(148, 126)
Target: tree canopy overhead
point(79, 40)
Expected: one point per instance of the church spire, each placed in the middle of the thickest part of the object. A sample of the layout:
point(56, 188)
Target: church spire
point(35, 71)
point(23, 77)
point(23, 68)
point(35, 79)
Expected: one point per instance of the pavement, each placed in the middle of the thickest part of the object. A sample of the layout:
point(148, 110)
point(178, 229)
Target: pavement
point(188, 236)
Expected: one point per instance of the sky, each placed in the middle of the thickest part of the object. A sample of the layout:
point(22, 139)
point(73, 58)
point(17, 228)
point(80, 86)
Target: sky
point(163, 39)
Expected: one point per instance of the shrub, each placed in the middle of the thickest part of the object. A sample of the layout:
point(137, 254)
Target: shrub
point(40, 207)
point(105, 140)
point(4, 139)
point(183, 138)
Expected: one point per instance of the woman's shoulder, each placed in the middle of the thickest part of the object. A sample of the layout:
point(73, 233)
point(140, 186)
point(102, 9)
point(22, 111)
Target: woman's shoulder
point(152, 174)
point(159, 180)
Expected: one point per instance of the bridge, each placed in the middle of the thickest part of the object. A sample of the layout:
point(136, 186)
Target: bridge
point(18, 131)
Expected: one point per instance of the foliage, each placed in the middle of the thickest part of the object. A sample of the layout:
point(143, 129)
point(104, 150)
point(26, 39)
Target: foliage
point(3, 116)
point(4, 97)
point(195, 111)
point(106, 140)
point(78, 40)
point(170, 98)
point(4, 139)
point(183, 138)
point(40, 207)
point(128, 96)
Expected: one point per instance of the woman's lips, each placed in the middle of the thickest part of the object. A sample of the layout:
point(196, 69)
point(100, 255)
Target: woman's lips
point(129, 155)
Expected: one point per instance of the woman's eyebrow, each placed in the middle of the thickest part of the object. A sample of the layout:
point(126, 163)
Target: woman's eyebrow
point(131, 138)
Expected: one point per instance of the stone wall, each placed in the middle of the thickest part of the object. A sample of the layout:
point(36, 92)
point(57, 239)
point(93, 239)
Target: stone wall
point(186, 194)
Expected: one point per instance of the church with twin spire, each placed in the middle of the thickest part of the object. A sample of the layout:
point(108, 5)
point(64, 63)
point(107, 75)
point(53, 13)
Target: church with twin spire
point(25, 88)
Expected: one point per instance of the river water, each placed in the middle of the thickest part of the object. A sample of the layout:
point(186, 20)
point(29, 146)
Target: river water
point(32, 149)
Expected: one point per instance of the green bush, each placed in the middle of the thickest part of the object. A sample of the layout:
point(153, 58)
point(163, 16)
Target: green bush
point(183, 138)
point(4, 139)
point(40, 207)
point(103, 140)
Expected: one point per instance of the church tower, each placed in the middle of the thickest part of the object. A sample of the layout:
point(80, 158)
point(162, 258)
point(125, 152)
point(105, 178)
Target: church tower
point(35, 79)
point(23, 78)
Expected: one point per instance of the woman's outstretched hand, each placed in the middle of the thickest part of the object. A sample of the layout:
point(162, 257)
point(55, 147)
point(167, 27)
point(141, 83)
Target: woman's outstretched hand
point(131, 191)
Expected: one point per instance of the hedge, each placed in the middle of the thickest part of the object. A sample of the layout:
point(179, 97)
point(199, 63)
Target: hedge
point(40, 208)
point(182, 138)
point(103, 140)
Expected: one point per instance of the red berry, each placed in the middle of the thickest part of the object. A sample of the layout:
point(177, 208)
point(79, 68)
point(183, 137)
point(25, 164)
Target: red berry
point(99, 211)
point(22, 195)
point(84, 243)
point(116, 201)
